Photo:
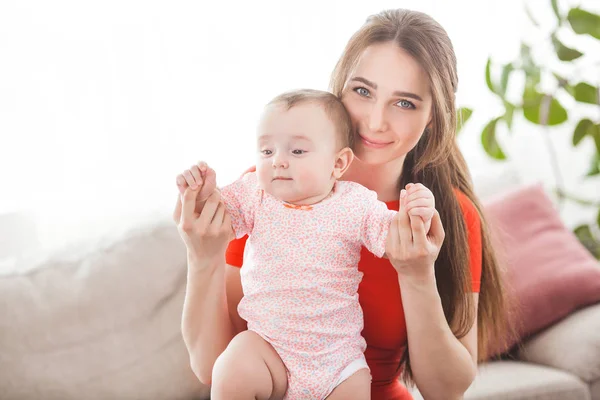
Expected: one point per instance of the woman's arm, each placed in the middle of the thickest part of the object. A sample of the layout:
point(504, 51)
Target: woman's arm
point(206, 325)
point(443, 366)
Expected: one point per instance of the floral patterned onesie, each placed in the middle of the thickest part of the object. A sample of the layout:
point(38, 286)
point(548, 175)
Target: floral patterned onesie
point(301, 278)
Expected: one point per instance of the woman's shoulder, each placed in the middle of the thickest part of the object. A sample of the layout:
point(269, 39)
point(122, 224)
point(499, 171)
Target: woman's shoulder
point(468, 208)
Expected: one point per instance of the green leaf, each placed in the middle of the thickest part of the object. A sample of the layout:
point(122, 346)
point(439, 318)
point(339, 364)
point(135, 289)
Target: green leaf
point(530, 15)
point(555, 9)
point(584, 22)
point(563, 52)
point(488, 75)
point(558, 114)
point(463, 116)
point(586, 237)
point(489, 142)
point(533, 101)
point(582, 130)
point(508, 115)
point(598, 218)
point(586, 93)
point(595, 167)
point(570, 89)
point(506, 70)
point(583, 232)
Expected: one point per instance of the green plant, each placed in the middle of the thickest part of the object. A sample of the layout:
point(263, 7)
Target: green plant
point(543, 108)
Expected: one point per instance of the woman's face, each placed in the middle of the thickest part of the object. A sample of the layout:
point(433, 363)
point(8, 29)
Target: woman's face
point(389, 100)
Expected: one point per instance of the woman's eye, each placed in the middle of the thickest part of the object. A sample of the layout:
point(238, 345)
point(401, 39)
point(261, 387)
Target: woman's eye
point(298, 152)
point(362, 91)
point(406, 104)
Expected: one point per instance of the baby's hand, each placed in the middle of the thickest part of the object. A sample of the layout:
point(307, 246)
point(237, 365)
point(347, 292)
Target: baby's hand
point(198, 176)
point(420, 202)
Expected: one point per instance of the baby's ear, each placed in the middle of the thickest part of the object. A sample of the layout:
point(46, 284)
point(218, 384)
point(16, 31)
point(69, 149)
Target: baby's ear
point(343, 160)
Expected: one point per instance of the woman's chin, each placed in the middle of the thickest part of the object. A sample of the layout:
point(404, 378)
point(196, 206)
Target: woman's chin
point(371, 157)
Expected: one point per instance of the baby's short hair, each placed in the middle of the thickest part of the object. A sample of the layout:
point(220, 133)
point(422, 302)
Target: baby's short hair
point(332, 105)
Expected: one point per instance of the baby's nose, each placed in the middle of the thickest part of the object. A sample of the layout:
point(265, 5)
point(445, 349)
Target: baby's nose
point(280, 162)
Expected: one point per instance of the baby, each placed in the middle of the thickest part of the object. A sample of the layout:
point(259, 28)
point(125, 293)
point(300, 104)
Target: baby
point(306, 229)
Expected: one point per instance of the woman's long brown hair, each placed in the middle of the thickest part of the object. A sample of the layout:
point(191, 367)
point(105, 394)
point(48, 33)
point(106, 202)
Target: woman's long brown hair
point(437, 163)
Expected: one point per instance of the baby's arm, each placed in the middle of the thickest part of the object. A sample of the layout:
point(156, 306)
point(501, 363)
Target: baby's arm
point(376, 221)
point(419, 202)
point(240, 197)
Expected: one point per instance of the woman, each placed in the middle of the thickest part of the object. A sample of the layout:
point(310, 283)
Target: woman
point(431, 309)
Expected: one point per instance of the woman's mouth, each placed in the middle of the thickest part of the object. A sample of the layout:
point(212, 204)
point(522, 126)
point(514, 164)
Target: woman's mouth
point(373, 144)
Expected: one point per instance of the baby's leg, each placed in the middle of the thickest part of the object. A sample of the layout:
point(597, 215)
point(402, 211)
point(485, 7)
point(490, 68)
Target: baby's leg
point(356, 387)
point(249, 368)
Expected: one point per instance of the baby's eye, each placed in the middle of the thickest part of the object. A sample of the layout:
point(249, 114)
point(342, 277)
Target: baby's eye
point(298, 152)
point(405, 104)
point(266, 152)
point(362, 91)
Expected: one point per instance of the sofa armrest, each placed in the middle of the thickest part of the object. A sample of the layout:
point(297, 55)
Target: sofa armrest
point(572, 345)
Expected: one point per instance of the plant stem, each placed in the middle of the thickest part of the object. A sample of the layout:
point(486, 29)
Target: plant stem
point(544, 114)
point(555, 167)
point(578, 200)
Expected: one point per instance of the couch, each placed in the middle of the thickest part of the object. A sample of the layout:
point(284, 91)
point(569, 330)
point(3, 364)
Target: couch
point(101, 320)
point(562, 362)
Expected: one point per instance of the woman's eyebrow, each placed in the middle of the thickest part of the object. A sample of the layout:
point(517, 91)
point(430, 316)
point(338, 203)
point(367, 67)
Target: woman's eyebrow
point(398, 93)
point(407, 94)
point(365, 81)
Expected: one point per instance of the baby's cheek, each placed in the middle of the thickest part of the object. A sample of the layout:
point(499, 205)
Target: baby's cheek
point(263, 178)
point(311, 177)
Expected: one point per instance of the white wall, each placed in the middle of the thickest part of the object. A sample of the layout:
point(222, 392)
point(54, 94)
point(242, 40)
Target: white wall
point(103, 103)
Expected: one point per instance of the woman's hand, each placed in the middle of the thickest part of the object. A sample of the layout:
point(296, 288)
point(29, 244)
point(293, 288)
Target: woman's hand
point(206, 234)
point(410, 247)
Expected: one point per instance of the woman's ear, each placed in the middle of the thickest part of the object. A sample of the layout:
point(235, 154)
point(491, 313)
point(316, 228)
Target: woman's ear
point(342, 162)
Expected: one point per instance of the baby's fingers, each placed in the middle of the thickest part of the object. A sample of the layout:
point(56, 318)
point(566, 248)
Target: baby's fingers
point(420, 193)
point(425, 213)
point(195, 171)
point(202, 167)
point(419, 202)
point(181, 183)
point(191, 180)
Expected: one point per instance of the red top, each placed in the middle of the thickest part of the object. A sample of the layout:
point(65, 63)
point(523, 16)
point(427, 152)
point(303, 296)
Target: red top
point(379, 296)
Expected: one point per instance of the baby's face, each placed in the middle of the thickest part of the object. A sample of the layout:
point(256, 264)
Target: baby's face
point(297, 151)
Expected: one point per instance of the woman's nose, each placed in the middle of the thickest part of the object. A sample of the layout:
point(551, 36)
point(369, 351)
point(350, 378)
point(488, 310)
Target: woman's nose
point(376, 118)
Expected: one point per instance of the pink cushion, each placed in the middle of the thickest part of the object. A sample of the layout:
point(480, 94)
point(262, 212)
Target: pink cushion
point(549, 272)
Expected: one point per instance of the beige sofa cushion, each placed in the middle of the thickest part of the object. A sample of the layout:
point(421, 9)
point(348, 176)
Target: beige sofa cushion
point(571, 345)
point(101, 322)
point(595, 390)
point(518, 380)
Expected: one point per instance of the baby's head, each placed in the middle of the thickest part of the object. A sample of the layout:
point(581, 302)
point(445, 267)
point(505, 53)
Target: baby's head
point(304, 141)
